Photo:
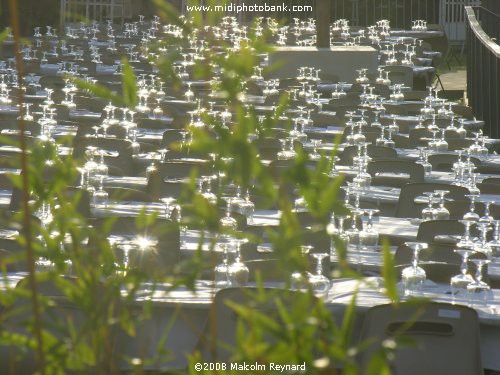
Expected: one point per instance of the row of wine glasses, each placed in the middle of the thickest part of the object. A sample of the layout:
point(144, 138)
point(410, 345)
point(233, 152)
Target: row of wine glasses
point(435, 213)
point(316, 281)
point(475, 289)
point(228, 274)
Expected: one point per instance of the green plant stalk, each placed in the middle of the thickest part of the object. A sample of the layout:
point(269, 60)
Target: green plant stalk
point(13, 6)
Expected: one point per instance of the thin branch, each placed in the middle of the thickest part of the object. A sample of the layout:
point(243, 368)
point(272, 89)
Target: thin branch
point(14, 16)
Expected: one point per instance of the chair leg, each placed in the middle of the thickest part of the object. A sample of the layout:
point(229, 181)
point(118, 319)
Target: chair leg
point(453, 55)
point(439, 82)
point(447, 61)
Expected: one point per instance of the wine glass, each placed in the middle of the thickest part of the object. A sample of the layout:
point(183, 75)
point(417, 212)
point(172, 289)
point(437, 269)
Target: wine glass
point(100, 196)
point(227, 221)
point(413, 277)
point(482, 245)
point(189, 93)
point(102, 169)
point(478, 289)
point(463, 279)
point(168, 206)
point(221, 276)
point(471, 215)
point(486, 218)
point(182, 225)
point(247, 207)
point(207, 192)
point(126, 247)
point(238, 272)
point(315, 154)
point(462, 132)
point(300, 280)
point(428, 212)
point(465, 240)
point(354, 235)
point(381, 140)
point(441, 212)
point(495, 242)
point(427, 166)
point(320, 284)
point(368, 236)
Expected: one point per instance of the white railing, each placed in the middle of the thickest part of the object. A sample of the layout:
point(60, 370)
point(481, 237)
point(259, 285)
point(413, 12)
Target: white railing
point(452, 17)
point(98, 10)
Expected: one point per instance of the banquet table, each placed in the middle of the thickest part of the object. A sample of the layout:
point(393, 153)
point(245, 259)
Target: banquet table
point(185, 313)
point(418, 34)
point(181, 312)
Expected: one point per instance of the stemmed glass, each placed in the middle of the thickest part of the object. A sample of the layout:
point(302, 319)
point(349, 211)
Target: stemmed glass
point(100, 196)
point(462, 132)
point(465, 240)
point(353, 234)
point(442, 145)
point(90, 168)
point(286, 153)
point(433, 144)
point(413, 277)
point(207, 191)
point(368, 236)
point(221, 271)
point(27, 116)
point(227, 221)
point(157, 111)
point(342, 233)
point(376, 121)
point(300, 280)
point(486, 218)
point(236, 200)
point(478, 289)
point(182, 225)
point(102, 169)
point(441, 212)
point(495, 242)
point(320, 284)
point(428, 212)
point(189, 93)
point(381, 140)
point(315, 154)
point(238, 272)
point(424, 161)
point(471, 215)
point(126, 247)
point(483, 246)
point(247, 207)
point(463, 279)
point(389, 142)
point(168, 206)
point(459, 168)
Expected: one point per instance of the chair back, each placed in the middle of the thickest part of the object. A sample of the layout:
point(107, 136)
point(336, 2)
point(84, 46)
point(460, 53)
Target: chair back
point(395, 172)
point(428, 230)
point(444, 162)
point(222, 327)
point(408, 208)
point(400, 75)
point(439, 331)
point(182, 168)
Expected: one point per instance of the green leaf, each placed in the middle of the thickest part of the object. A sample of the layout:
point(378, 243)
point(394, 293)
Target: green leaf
point(129, 83)
point(389, 273)
point(5, 34)
point(98, 90)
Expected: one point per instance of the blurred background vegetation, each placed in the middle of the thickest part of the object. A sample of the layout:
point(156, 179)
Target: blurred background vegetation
point(32, 13)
